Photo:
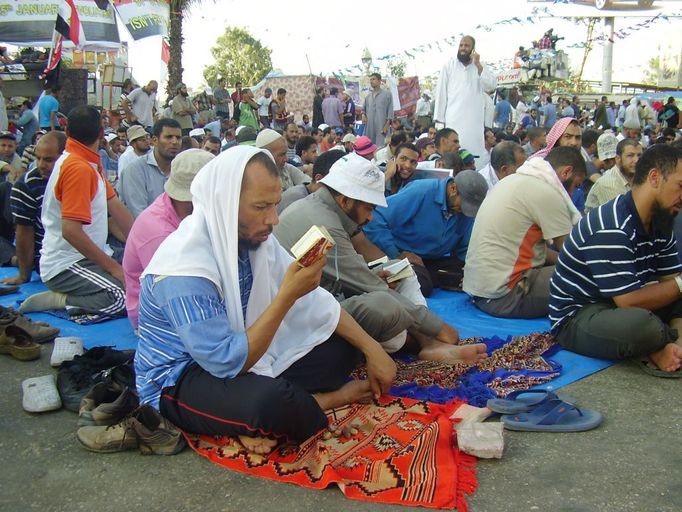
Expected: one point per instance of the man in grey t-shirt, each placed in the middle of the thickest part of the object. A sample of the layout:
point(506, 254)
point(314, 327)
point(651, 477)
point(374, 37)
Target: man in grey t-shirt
point(222, 101)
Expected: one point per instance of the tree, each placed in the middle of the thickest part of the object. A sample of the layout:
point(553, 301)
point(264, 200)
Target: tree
point(239, 57)
point(589, 25)
point(175, 39)
point(396, 67)
point(659, 72)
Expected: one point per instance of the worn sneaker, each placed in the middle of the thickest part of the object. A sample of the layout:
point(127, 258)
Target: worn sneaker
point(105, 404)
point(144, 427)
point(155, 434)
point(39, 332)
point(115, 438)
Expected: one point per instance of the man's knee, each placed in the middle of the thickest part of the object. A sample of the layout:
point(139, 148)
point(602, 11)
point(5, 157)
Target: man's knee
point(614, 333)
point(378, 313)
point(425, 280)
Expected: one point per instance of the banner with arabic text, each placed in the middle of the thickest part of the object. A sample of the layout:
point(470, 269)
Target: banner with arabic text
point(144, 18)
point(32, 22)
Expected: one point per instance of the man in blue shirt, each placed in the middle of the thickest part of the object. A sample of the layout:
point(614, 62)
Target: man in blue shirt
point(48, 106)
point(549, 113)
point(616, 289)
point(236, 338)
point(503, 110)
point(429, 222)
point(28, 124)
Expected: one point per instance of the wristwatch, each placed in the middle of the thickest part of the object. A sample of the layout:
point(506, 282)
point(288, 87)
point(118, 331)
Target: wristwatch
point(678, 280)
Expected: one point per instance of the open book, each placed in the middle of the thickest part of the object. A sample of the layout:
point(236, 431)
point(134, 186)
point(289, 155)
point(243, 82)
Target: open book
point(312, 246)
point(374, 263)
point(399, 270)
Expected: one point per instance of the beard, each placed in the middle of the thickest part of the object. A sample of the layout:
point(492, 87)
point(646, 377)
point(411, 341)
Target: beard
point(251, 244)
point(463, 57)
point(248, 244)
point(663, 220)
point(355, 217)
point(185, 94)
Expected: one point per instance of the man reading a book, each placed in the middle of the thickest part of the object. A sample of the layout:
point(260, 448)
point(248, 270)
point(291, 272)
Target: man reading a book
point(343, 204)
point(236, 338)
point(430, 224)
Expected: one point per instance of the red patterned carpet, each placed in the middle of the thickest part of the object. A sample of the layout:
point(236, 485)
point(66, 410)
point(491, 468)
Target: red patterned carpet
point(395, 450)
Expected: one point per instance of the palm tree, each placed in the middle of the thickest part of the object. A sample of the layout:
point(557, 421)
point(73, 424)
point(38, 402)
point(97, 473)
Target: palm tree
point(175, 39)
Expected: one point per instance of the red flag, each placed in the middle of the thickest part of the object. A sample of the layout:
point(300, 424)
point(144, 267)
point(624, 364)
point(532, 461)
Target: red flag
point(69, 24)
point(55, 55)
point(165, 50)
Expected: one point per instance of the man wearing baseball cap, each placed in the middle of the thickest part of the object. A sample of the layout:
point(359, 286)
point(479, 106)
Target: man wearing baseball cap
point(364, 147)
point(138, 145)
point(158, 221)
point(430, 223)
point(343, 204)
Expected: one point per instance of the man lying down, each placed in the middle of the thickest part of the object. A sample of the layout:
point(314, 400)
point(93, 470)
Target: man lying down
point(237, 339)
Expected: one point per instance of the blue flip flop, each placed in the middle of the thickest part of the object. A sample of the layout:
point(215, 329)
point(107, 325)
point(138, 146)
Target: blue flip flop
point(554, 416)
point(523, 400)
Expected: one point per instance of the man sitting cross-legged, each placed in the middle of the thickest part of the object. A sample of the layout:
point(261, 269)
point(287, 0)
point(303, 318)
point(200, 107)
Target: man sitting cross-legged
point(509, 262)
point(158, 221)
point(235, 337)
point(343, 204)
point(27, 204)
point(616, 291)
point(75, 261)
point(429, 223)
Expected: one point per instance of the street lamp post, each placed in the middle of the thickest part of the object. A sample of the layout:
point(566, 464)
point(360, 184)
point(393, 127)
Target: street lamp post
point(366, 60)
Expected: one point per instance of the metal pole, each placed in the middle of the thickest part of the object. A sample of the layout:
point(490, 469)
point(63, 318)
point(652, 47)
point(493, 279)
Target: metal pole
point(679, 68)
point(607, 62)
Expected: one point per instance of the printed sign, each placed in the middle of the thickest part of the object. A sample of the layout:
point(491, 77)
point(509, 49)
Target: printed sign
point(32, 22)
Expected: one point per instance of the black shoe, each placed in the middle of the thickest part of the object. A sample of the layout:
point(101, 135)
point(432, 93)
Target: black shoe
point(100, 364)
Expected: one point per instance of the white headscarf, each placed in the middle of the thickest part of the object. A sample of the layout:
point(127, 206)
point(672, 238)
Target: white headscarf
point(541, 169)
point(205, 245)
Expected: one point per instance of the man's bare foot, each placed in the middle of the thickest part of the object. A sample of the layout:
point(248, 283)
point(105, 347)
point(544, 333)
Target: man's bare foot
point(259, 445)
point(453, 354)
point(669, 358)
point(353, 391)
point(448, 334)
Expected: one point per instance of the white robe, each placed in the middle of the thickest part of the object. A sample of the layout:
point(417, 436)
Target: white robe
point(460, 102)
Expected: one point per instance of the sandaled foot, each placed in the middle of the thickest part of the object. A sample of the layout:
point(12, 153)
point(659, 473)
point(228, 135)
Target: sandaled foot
point(259, 445)
point(453, 354)
point(668, 359)
point(351, 392)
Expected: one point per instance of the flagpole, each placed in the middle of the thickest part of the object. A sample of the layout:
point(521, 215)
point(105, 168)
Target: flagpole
point(55, 37)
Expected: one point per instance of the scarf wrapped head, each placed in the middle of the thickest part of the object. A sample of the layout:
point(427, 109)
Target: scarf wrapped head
point(554, 135)
point(206, 245)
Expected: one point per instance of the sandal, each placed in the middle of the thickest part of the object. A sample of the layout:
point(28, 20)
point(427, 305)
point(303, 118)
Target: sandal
point(19, 344)
point(554, 416)
point(523, 400)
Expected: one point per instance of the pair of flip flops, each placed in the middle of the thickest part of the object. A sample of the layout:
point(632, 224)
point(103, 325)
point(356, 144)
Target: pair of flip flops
point(537, 410)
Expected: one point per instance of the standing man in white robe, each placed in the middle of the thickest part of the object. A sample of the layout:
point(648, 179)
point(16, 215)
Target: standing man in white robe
point(459, 95)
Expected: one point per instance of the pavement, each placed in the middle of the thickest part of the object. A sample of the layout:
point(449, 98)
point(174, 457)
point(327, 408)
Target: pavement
point(632, 462)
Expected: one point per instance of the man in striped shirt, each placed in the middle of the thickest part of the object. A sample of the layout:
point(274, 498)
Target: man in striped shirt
point(26, 202)
point(616, 288)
